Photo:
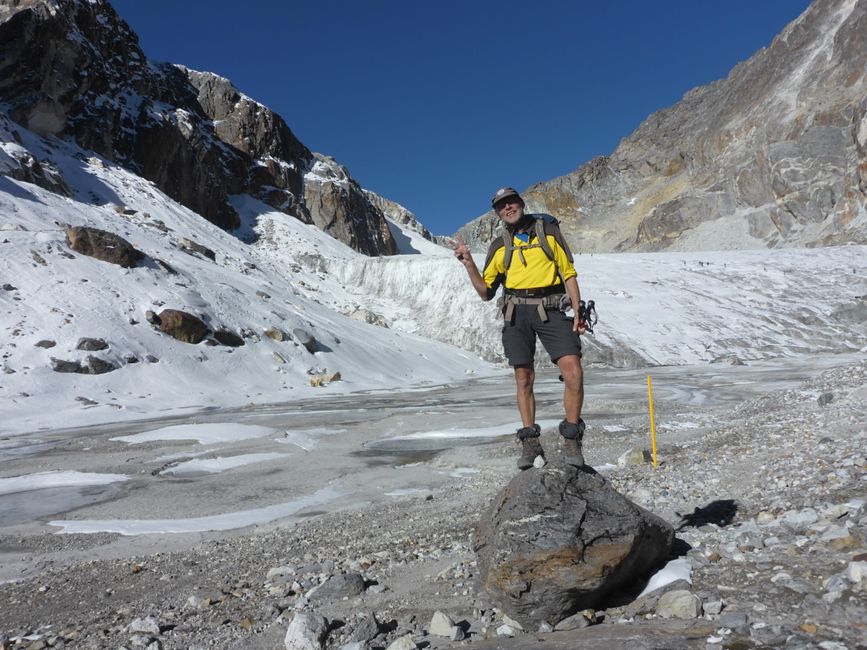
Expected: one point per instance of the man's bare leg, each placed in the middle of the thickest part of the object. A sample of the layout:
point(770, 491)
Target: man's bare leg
point(528, 434)
point(572, 428)
point(525, 376)
point(573, 389)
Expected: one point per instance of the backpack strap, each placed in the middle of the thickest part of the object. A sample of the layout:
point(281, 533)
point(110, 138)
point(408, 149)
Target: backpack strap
point(543, 223)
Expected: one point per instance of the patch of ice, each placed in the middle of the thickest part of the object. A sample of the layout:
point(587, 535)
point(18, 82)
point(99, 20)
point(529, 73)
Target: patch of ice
point(56, 479)
point(205, 434)
point(219, 464)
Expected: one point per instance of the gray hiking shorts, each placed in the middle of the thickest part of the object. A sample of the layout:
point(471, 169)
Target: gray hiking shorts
point(556, 335)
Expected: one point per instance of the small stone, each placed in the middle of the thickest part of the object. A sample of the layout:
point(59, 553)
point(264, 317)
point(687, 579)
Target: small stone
point(306, 632)
point(194, 602)
point(539, 462)
point(825, 399)
point(856, 572)
point(281, 571)
point(90, 344)
point(507, 630)
point(581, 619)
point(713, 607)
point(45, 343)
point(440, 625)
point(680, 603)
point(403, 643)
point(634, 456)
point(144, 626)
point(458, 633)
point(507, 620)
point(276, 334)
point(306, 339)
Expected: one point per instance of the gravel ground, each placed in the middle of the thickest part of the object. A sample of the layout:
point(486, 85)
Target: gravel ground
point(773, 492)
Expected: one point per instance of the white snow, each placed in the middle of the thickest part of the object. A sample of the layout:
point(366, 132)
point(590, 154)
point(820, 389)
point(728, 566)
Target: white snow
point(222, 521)
point(679, 569)
point(42, 480)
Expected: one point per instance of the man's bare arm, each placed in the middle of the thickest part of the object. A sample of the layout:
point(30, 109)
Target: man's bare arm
point(462, 253)
point(574, 293)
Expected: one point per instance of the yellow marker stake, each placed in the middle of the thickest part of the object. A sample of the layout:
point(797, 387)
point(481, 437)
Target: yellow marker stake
point(652, 422)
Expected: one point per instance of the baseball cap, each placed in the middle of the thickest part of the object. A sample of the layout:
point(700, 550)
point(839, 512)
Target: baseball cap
point(504, 192)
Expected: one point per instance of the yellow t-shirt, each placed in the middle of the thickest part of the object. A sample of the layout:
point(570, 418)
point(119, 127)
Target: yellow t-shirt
point(536, 271)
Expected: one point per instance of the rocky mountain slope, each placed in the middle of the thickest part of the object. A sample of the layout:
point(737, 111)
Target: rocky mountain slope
point(74, 70)
point(773, 155)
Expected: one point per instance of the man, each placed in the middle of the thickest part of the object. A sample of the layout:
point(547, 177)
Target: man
point(536, 274)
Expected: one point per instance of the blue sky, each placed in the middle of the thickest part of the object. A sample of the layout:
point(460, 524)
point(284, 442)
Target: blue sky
point(437, 104)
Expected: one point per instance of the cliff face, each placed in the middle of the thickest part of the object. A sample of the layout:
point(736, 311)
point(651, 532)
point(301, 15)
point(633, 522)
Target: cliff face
point(74, 70)
point(773, 155)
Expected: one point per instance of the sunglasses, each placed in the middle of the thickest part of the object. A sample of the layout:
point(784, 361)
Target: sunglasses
point(502, 203)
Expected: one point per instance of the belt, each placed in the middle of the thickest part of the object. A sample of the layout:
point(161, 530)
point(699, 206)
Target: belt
point(536, 293)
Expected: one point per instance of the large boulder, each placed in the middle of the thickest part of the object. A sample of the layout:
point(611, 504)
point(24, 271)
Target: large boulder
point(559, 540)
point(182, 325)
point(103, 245)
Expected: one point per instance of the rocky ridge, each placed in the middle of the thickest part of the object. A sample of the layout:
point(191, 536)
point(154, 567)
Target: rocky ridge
point(785, 566)
point(773, 155)
point(75, 70)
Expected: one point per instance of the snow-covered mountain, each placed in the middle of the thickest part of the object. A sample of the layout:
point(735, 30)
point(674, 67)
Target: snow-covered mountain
point(73, 69)
point(270, 278)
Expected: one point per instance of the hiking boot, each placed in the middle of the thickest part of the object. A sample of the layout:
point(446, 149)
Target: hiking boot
point(530, 446)
point(573, 435)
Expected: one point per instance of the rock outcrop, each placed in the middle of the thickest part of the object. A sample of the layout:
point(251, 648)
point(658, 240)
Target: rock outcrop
point(103, 245)
point(182, 325)
point(399, 214)
point(559, 540)
point(75, 70)
point(773, 155)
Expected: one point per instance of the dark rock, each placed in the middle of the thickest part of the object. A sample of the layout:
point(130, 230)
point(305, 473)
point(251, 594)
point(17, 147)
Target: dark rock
point(193, 247)
point(182, 326)
point(305, 338)
point(151, 358)
point(558, 540)
point(336, 587)
point(131, 358)
point(59, 365)
point(366, 629)
point(736, 621)
point(97, 366)
point(825, 399)
point(264, 296)
point(339, 206)
point(91, 345)
point(103, 245)
point(227, 337)
point(168, 268)
point(9, 287)
point(45, 343)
